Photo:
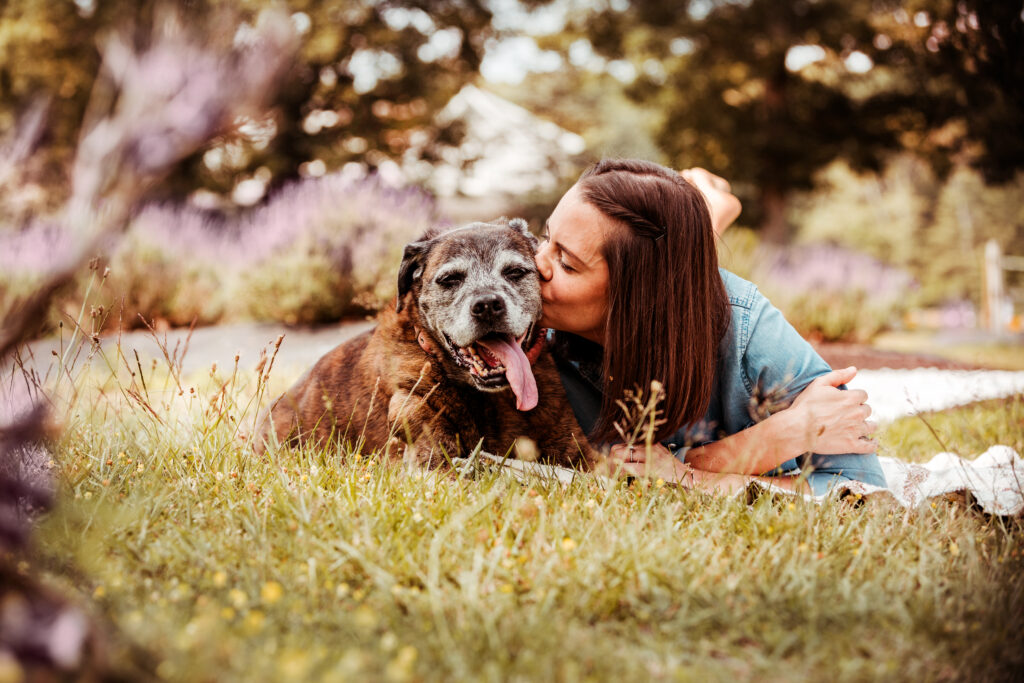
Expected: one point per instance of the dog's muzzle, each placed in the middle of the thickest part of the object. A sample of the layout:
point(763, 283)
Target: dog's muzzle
point(496, 360)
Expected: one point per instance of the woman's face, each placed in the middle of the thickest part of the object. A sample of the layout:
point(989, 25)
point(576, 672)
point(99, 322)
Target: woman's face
point(574, 274)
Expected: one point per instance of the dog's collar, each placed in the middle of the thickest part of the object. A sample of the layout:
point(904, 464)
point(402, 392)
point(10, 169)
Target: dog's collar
point(531, 354)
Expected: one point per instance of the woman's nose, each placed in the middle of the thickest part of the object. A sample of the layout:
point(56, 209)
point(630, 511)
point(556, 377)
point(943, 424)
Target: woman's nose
point(543, 261)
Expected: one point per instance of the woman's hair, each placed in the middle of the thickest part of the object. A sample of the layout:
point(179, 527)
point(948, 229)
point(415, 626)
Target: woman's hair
point(667, 305)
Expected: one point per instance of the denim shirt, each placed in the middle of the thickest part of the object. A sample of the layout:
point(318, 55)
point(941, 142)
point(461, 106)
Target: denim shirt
point(763, 365)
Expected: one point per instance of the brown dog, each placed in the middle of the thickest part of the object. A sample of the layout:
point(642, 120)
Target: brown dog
point(458, 359)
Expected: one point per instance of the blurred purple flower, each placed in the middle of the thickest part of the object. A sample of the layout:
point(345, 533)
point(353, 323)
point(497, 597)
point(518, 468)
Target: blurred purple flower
point(36, 249)
point(825, 268)
point(336, 213)
point(169, 100)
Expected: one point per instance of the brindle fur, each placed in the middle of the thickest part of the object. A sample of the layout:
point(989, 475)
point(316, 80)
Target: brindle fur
point(383, 391)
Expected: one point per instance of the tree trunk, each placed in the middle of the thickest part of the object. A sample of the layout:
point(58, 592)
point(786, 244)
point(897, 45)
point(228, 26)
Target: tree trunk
point(774, 226)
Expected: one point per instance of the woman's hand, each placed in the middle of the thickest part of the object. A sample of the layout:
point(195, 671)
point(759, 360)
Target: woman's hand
point(835, 421)
point(658, 463)
point(722, 203)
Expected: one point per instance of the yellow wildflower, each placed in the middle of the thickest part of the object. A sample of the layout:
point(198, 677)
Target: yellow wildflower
point(271, 592)
point(238, 598)
point(254, 621)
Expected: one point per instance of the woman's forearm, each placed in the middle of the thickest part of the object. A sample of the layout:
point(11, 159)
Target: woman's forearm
point(725, 482)
point(658, 461)
point(757, 449)
point(822, 419)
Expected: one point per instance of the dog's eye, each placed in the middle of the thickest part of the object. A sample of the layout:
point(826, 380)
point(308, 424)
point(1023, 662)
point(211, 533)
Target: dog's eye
point(453, 279)
point(514, 273)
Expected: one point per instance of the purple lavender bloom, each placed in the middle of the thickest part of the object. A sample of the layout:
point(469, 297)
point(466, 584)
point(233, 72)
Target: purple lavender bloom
point(832, 269)
point(832, 293)
point(35, 250)
point(170, 100)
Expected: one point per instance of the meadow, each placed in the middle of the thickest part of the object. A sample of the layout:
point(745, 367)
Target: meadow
point(201, 562)
point(208, 563)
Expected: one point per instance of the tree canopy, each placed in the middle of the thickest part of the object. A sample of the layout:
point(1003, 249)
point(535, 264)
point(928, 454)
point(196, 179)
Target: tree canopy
point(369, 79)
point(768, 92)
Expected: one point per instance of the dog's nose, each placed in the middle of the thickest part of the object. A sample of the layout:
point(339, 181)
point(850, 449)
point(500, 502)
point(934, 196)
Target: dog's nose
point(487, 307)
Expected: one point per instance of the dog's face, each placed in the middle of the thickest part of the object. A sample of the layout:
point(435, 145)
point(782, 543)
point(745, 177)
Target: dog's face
point(476, 291)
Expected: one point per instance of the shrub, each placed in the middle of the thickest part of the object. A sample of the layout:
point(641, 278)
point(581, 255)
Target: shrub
point(317, 250)
point(826, 292)
point(323, 248)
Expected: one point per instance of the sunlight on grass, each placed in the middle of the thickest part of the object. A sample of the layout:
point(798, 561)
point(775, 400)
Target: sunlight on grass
point(323, 564)
point(966, 430)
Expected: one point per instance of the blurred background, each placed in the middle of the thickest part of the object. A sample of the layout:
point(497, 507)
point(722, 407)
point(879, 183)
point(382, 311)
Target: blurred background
point(877, 147)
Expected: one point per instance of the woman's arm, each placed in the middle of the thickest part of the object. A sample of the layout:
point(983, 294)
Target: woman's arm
point(822, 419)
point(659, 462)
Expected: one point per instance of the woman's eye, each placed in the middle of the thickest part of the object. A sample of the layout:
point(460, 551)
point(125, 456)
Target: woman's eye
point(451, 280)
point(566, 267)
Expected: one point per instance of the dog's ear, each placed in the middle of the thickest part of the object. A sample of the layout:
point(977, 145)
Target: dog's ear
point(523, 227)
point(414, 258)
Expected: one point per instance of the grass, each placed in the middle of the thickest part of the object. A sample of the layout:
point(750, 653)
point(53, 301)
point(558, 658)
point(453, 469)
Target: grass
point(332, 565)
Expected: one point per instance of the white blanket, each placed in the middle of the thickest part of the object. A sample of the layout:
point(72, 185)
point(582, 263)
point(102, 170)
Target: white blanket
point(994, 480)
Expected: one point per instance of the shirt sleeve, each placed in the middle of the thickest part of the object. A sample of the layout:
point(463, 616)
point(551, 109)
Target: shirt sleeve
point(778, 363)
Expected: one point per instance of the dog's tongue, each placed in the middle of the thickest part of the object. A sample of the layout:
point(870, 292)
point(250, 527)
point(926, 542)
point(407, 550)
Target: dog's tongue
point(517, 370)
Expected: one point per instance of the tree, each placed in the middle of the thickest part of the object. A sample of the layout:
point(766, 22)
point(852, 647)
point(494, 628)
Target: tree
point(972, 51)
point(368, 80)
point(768, 92)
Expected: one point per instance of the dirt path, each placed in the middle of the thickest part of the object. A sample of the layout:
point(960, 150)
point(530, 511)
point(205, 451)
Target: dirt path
point(897, 383)
point(303, 345)
point(868, 358)
point(202, 347)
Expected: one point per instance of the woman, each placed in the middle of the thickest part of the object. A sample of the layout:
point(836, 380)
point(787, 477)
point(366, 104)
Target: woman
point(631, 284)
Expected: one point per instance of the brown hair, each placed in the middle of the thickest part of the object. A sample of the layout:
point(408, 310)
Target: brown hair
point(667, 305)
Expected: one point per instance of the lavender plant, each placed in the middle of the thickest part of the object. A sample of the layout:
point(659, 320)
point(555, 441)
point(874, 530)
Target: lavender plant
point(834, 293)
point(827, 292)
point(154, 106)
point(316, 250)
point(325, 247)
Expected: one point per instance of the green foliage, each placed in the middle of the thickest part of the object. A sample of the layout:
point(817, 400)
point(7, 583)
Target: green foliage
point(302, 285)
point(944, 77)
point(965, 430)
point(146, 280)
point(906, 216)
point(369, 79)
point(328, 564)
